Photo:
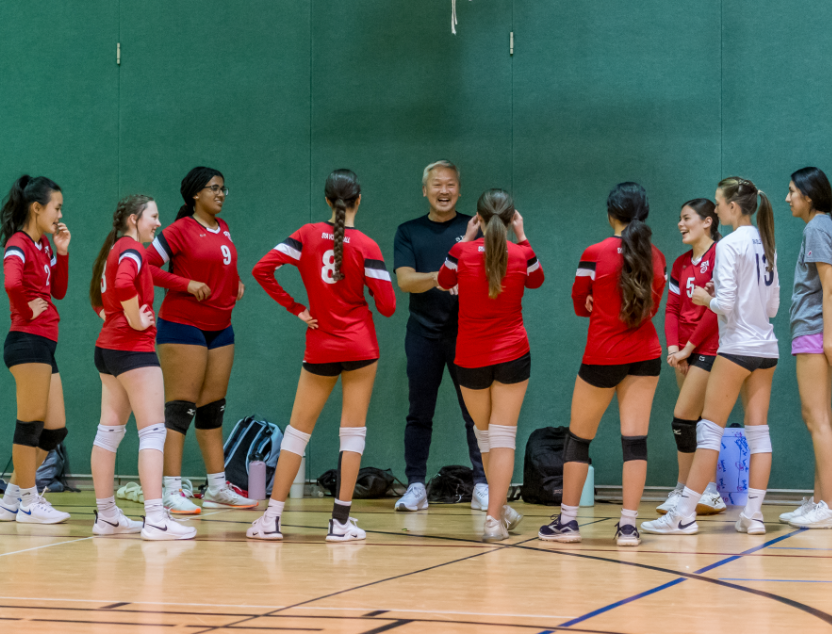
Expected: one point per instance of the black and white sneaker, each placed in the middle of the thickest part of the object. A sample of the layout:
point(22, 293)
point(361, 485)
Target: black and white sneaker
point(348, 532)
point(627, 535)
point(568, 533)
point(265, 528)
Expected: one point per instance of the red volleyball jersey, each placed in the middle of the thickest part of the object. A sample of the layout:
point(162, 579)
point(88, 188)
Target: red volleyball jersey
point(33, 270)
point(610, 341)
point(683, 320)
point(491, 331)
point(196, 253)
point(126, 275)
point(345, 329)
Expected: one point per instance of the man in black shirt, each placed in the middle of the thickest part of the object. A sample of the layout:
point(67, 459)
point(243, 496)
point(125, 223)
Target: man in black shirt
point(430, 344)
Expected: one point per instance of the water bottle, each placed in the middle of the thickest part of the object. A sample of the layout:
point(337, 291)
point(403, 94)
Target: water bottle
point(588, 493)
point(296, 490)
point(256, 478)
point(733, 466)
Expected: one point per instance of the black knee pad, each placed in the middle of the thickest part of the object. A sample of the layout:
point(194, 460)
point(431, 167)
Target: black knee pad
point(178, 415)
point(576, 449)
point(51, 438)
point(210, 416)
point(684, 433)
point(634, 447)
point(27, 434)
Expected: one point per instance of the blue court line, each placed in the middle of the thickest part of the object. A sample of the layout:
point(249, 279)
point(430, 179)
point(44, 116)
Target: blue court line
point(669, 584)
point(774, 580)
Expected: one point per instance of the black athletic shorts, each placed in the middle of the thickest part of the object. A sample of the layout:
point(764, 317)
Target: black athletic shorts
point(750, 363)
point(24, 347)
point(611, 375)
point(704, 361)
point(507, 372)
point(334, 369)
point(115, 362)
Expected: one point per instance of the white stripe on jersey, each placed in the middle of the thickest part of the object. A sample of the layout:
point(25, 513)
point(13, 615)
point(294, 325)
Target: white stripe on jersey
point(674, 288)
point(379, 274)
point(53, 261)
point(585, 273)
point(133, 257)
point(290, 251)
point(161, 251)
point(450, 265)
point(531, 269)
point(16, 253)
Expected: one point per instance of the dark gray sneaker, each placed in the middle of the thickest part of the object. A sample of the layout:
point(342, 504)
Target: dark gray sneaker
point(568, 533)
point(627, 535)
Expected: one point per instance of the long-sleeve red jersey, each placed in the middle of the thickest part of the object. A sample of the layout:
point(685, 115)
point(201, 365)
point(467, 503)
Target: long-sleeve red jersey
point(684, 321)
point(345, 329)
point(126, 275)
point(610, 341)
point(33, 270)
point(491, 331)
point(196, 253)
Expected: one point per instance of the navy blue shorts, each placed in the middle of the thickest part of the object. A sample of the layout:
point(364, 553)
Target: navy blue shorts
point(173, 332)
point(24, 347)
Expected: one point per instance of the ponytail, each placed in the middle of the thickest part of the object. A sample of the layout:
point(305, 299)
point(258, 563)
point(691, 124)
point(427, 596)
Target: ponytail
point(744, 193)
point(765, 225)
point(496, 254)
point(338, 234)
point(98, 268)
point(342, 190)
point(193, 183)
point(15, 211)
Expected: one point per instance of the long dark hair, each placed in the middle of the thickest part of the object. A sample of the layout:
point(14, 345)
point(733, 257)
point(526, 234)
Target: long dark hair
point(496, 208)
point(342, 189)
point(704, 208)
point(744, 193)
point(628, 204)
point(135, 204)
point(813, 184)
point(193, 183)
point(25, 191)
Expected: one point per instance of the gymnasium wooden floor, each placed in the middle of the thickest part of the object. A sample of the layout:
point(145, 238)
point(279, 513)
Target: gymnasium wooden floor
point(420, 572)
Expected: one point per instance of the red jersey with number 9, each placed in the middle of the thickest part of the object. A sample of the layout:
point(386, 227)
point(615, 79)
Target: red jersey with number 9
point(345, 329)
point(196, 253)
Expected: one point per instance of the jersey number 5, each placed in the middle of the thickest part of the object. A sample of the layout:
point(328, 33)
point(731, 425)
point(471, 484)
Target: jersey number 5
point(328, 269)
point(691, 284)
point(226, 254)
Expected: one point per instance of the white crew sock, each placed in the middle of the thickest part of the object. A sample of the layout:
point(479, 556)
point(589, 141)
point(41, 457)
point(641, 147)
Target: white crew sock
point(26, 496)
point(172, 483)
point(686, 506)
point(628, 518)
point(107, 508)
point(755, 502)
point(568, 513)
point(711, 488)
point(275, 509)
point(216, 481)
point(12, 495)
point(154, 511)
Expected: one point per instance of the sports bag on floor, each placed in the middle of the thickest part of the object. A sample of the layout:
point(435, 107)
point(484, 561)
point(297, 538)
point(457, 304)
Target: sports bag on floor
point(543, 466)
point(371, 482)
point(251, 436)
point(52, 473)
point(452, 485)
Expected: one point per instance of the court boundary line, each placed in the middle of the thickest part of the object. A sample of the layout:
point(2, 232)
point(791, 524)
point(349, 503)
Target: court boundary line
point(26, 550)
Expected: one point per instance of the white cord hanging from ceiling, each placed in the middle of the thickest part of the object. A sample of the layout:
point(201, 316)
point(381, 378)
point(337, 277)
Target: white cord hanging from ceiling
point(453, 16)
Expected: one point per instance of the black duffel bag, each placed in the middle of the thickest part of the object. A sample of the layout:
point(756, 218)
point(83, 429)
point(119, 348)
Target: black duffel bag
point(543, 466)
point(452, 485)
point(371, 483)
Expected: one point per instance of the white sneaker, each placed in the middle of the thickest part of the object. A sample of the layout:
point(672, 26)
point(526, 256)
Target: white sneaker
point(494, 530)
point(168, 530)
point(805, 506)
point(819, 517)
point(348, 532)
point(752, 525)
point(9, 513)
point(176, 502)
point(710, 504)
point(672, 524)
point(40, 511)
point(264, 528)
point(225, 498)
point(511, 518)
point(123, 524)
point(670, 503)
point(414, 499)
point(479, 499)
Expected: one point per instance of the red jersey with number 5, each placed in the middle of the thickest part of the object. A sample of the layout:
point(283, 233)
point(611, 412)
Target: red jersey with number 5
point(126, 275)
point(32, 271)
point(685, 321)
point(196, 253)
point(345, 329)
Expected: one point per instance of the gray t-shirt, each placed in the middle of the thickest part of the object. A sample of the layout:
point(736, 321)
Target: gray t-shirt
point(806, 312)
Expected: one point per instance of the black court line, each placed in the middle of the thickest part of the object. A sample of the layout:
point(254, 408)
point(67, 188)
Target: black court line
point(113, 606)
point(376, 613)
point(389, 626)
point(103, 622)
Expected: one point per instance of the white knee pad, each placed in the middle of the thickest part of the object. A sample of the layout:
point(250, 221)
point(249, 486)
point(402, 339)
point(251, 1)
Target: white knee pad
point(759, 440)
point(109, 436)
point(708, 435)
point(502, 436)
point(483, 440)
point(294, 441)
point(153, 437)
point(352, 439)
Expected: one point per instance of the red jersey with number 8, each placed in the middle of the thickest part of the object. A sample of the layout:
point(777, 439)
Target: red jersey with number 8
point(345, 329)
point(196, 253)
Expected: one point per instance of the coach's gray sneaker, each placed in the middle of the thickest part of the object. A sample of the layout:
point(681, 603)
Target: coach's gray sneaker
point(414, 499)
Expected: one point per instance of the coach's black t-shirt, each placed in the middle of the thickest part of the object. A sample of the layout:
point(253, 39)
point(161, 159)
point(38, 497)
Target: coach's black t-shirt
point(422, 245)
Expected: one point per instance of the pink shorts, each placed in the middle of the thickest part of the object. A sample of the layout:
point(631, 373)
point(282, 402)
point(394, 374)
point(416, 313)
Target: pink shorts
point(808, 344)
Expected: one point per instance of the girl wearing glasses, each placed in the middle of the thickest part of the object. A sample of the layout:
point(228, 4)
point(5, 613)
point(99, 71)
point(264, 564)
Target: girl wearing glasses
point(195, 338)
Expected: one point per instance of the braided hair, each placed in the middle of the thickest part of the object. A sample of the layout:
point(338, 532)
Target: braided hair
point(342, 190)
point(25, 191)
point(193, 183)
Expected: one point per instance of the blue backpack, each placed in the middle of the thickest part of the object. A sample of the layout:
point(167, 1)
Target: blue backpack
point(249, 437)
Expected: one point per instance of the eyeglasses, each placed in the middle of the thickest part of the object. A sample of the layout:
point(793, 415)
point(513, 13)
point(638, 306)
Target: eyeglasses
point(217, 189)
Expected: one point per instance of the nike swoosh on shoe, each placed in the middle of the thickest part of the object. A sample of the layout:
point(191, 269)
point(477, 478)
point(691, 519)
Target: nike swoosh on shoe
point(164, 530)
point(684, 526)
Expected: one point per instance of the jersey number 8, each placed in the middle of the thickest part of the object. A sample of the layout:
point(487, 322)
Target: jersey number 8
point(328, 269)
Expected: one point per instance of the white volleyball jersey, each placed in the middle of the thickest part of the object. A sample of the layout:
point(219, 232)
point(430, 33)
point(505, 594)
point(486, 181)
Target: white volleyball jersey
point(747, 295)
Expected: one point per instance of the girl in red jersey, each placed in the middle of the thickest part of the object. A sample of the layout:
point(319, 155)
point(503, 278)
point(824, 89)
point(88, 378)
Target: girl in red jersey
point(692, 338)
point(34, 274)
point(131, 379)
point(335, 261)
point(492, 350)
point(195, 337)
point(619, 286)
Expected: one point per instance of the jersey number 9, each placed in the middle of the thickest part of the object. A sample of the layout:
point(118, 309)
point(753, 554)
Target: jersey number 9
point(226, 254)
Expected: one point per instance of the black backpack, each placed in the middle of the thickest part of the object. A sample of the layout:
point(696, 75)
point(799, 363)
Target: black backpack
point(451, 485)
point(371, 482)
point(543, 466)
